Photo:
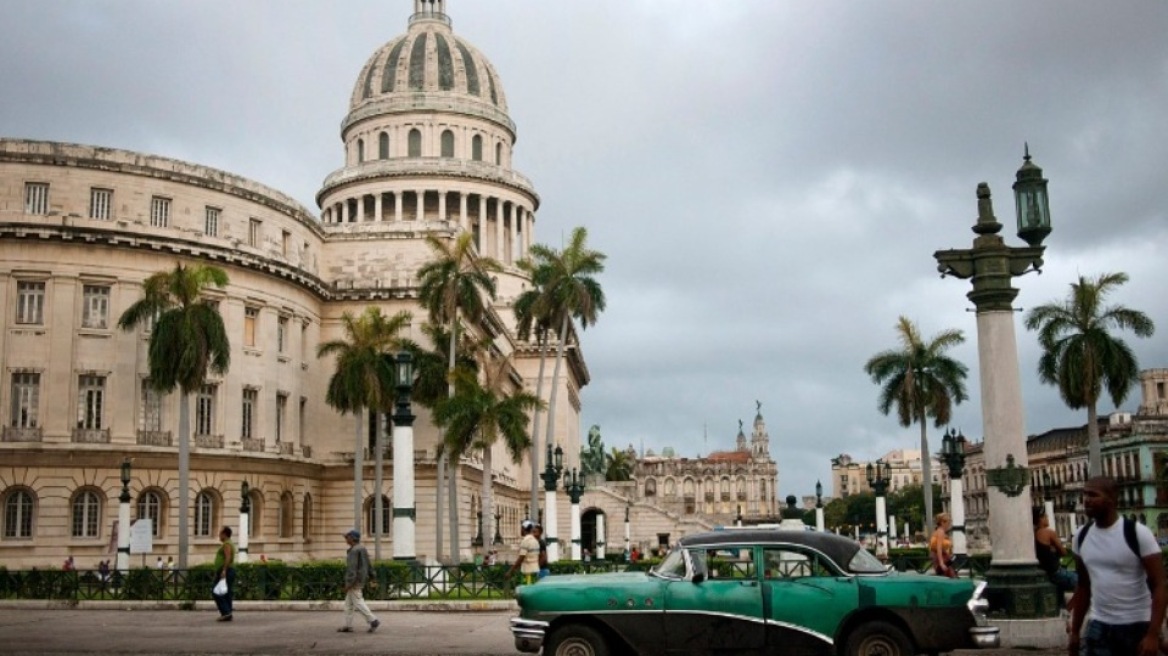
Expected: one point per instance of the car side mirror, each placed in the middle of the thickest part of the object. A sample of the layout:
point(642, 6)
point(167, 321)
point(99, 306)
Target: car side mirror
point(698, 578)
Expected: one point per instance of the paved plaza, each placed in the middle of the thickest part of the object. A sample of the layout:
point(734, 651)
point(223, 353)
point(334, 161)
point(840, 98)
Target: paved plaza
point(444, 630)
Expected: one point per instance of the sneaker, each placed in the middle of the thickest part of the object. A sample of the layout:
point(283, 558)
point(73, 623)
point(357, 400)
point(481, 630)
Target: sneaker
point(373, 625)
point(224, 618)
point(345, 629)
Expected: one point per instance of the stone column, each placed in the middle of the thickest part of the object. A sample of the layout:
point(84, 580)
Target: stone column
point(551, 529)
point(462, 223)
point(421, 204)
point(441, 205)
point(576, 555)
point(819, 519)
point(244, 531)
point(601, 535)
point(122, 563)
point(397, 206)
point(377, 206)
point(957, 510)
point(404, 514)
point(881, 527)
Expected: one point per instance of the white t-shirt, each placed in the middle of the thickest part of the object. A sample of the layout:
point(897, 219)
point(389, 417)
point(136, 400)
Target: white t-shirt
point(1119, 589)
point(529, 549)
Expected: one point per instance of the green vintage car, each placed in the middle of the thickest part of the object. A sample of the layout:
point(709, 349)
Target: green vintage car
point(754, 591)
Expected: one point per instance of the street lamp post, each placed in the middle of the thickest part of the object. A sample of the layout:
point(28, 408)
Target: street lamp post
point(551, 478)
point(123, 559)
point(404, 511)
point(819, 506)
point(1015, 584)
point(574, 486)
point(498, 539)
point(879, 477)
point(244, 519)
point(953, 455)
point(628, 531)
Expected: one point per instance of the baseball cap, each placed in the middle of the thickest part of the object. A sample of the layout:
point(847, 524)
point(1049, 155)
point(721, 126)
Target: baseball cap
point(354, 534)
point(526, 524)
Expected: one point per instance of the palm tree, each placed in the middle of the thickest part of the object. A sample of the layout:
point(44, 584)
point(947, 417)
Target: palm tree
point(571, 292)
point(619, 466)
point(187, 341)
point(1080, 356)
point(364, 379)
point(922, 382)
point(480, 413)
point(454, 283)
point(533, 314)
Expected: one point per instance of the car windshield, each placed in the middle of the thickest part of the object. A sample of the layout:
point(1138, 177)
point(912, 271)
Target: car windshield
point(673, 566)
point(863, 562)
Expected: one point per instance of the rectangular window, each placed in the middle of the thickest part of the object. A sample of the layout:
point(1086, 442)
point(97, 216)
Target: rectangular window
point(211, 222)
point(90, 402)
point(30, 302)
point(26, 399)
point(281, 411)
point(151, 413)
point(247, 428)
point(205, 410)
point(253, 232)
point(281, 334)
point(95, 306)
point(101, 202)
point(36, 198)
point(159, 212)
point(285, 243)
point(250, 318)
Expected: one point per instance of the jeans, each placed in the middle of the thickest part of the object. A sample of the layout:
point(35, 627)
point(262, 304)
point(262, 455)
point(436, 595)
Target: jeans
point(355, 601)
point(223, 603)
point(1101, 639)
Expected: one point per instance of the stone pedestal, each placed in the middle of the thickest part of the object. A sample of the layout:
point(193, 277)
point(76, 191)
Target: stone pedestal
point(1020, 591)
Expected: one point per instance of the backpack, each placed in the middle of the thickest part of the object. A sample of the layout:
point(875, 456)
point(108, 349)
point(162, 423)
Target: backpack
point(1129, 536)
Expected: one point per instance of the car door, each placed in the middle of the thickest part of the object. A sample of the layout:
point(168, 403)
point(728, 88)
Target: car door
point(720, 609)
point(805, 599)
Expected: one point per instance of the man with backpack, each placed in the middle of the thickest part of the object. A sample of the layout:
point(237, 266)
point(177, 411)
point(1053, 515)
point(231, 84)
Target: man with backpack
point(1121, 578)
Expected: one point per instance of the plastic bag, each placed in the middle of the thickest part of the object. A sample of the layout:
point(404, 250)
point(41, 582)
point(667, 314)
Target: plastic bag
point(220, 588)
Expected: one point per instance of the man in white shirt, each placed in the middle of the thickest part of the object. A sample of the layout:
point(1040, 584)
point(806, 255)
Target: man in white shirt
point(528, 561)
point(1124, 591)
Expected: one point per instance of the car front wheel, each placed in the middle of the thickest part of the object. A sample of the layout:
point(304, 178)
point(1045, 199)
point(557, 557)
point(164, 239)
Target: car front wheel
point(878, 639)
point(576, 640)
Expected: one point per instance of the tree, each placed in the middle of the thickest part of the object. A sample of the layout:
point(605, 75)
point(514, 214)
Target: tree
point(480, 413)
point(908, 505)
point(534, 316)
point(188, 340)
point(572, 292)
point(619, 465)
point(364, 380)
point(1080, 356)
point(922, 382)
point(454, 283)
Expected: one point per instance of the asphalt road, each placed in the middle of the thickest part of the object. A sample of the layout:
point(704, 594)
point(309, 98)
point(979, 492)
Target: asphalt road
point(52, 632)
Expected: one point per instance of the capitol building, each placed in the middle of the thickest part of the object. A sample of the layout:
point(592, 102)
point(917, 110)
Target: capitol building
point(428, 150)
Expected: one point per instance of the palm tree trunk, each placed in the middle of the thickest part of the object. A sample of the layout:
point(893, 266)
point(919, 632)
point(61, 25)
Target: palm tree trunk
point(439, 514)
point(379, 478)
point(550, 433)
point(358, 471)
point(488, 490)
point(535, 426)
point(927, 473)
point(1094, 449)
point(452, 463)
point(184, 479)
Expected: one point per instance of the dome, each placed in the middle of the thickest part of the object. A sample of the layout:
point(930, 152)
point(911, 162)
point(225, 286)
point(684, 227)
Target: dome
point(428, 68)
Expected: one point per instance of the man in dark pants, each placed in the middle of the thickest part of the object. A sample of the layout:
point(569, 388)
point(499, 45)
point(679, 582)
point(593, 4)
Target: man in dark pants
point(1124, 591)
point(225, 569)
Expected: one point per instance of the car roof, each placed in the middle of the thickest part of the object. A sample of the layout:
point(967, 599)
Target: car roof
point(838, 548)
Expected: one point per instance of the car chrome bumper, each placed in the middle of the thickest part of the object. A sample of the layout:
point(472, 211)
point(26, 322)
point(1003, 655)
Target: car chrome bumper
point(983, 635)
point(528, 634)
point(986, 637)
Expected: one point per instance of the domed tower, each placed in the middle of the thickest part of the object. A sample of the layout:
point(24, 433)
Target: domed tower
point(428, 149)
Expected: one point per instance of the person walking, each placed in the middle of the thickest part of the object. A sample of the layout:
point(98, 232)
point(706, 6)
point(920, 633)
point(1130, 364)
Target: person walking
point(357, 571)
point(941, 547)
point(1121, 579)
point(225, 571)
point(537, 531)
point(527, 563)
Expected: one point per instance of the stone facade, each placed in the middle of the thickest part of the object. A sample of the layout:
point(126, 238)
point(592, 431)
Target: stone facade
point(427, 151)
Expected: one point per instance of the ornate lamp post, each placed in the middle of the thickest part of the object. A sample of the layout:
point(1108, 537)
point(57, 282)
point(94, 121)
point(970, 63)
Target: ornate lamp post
point(628, 530)
point(244, 519)
point(819, 506)
point(574, 486)
point(404, 511)
point(953, 455)
point(123, 560)
point(498, 539)
point(551, 478)
point(1015, 584)
point(879, 477)
point(477, 540)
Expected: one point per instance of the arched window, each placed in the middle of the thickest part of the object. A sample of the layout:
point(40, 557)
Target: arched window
point(371, 514)
point(306, 518)
point(18, 514)
point(415, 143)
point(383, 145)
point(360, 150)
point(498, 154)
point(205, 515)
point(447, 143)
point(688, 487)
point(151, 506)
point(255, 518)
point(476, 148)
point(670, 488)
point(86, 514)
point(287, 507)
point(651, 487)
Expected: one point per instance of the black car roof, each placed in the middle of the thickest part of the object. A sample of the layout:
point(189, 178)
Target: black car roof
point(838, 548)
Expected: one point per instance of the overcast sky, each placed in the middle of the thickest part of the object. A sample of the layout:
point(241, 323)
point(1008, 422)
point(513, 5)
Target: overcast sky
point(768, 179)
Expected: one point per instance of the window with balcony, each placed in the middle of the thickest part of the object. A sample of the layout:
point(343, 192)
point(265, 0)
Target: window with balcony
point(159, 212)
point(281, 413)
point(30, 303)
point(150, 415)
point(247, 427)
point(205, 410)
point(36, 198)
point(90, 402)
point(95, 306)
point(101, 203)
point(26, 393)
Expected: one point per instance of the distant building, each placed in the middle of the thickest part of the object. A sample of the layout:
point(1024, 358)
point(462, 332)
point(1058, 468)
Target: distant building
point(850, 476)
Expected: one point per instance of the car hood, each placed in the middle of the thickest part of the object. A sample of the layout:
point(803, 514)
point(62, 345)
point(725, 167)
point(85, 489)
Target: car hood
point(613, 578)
